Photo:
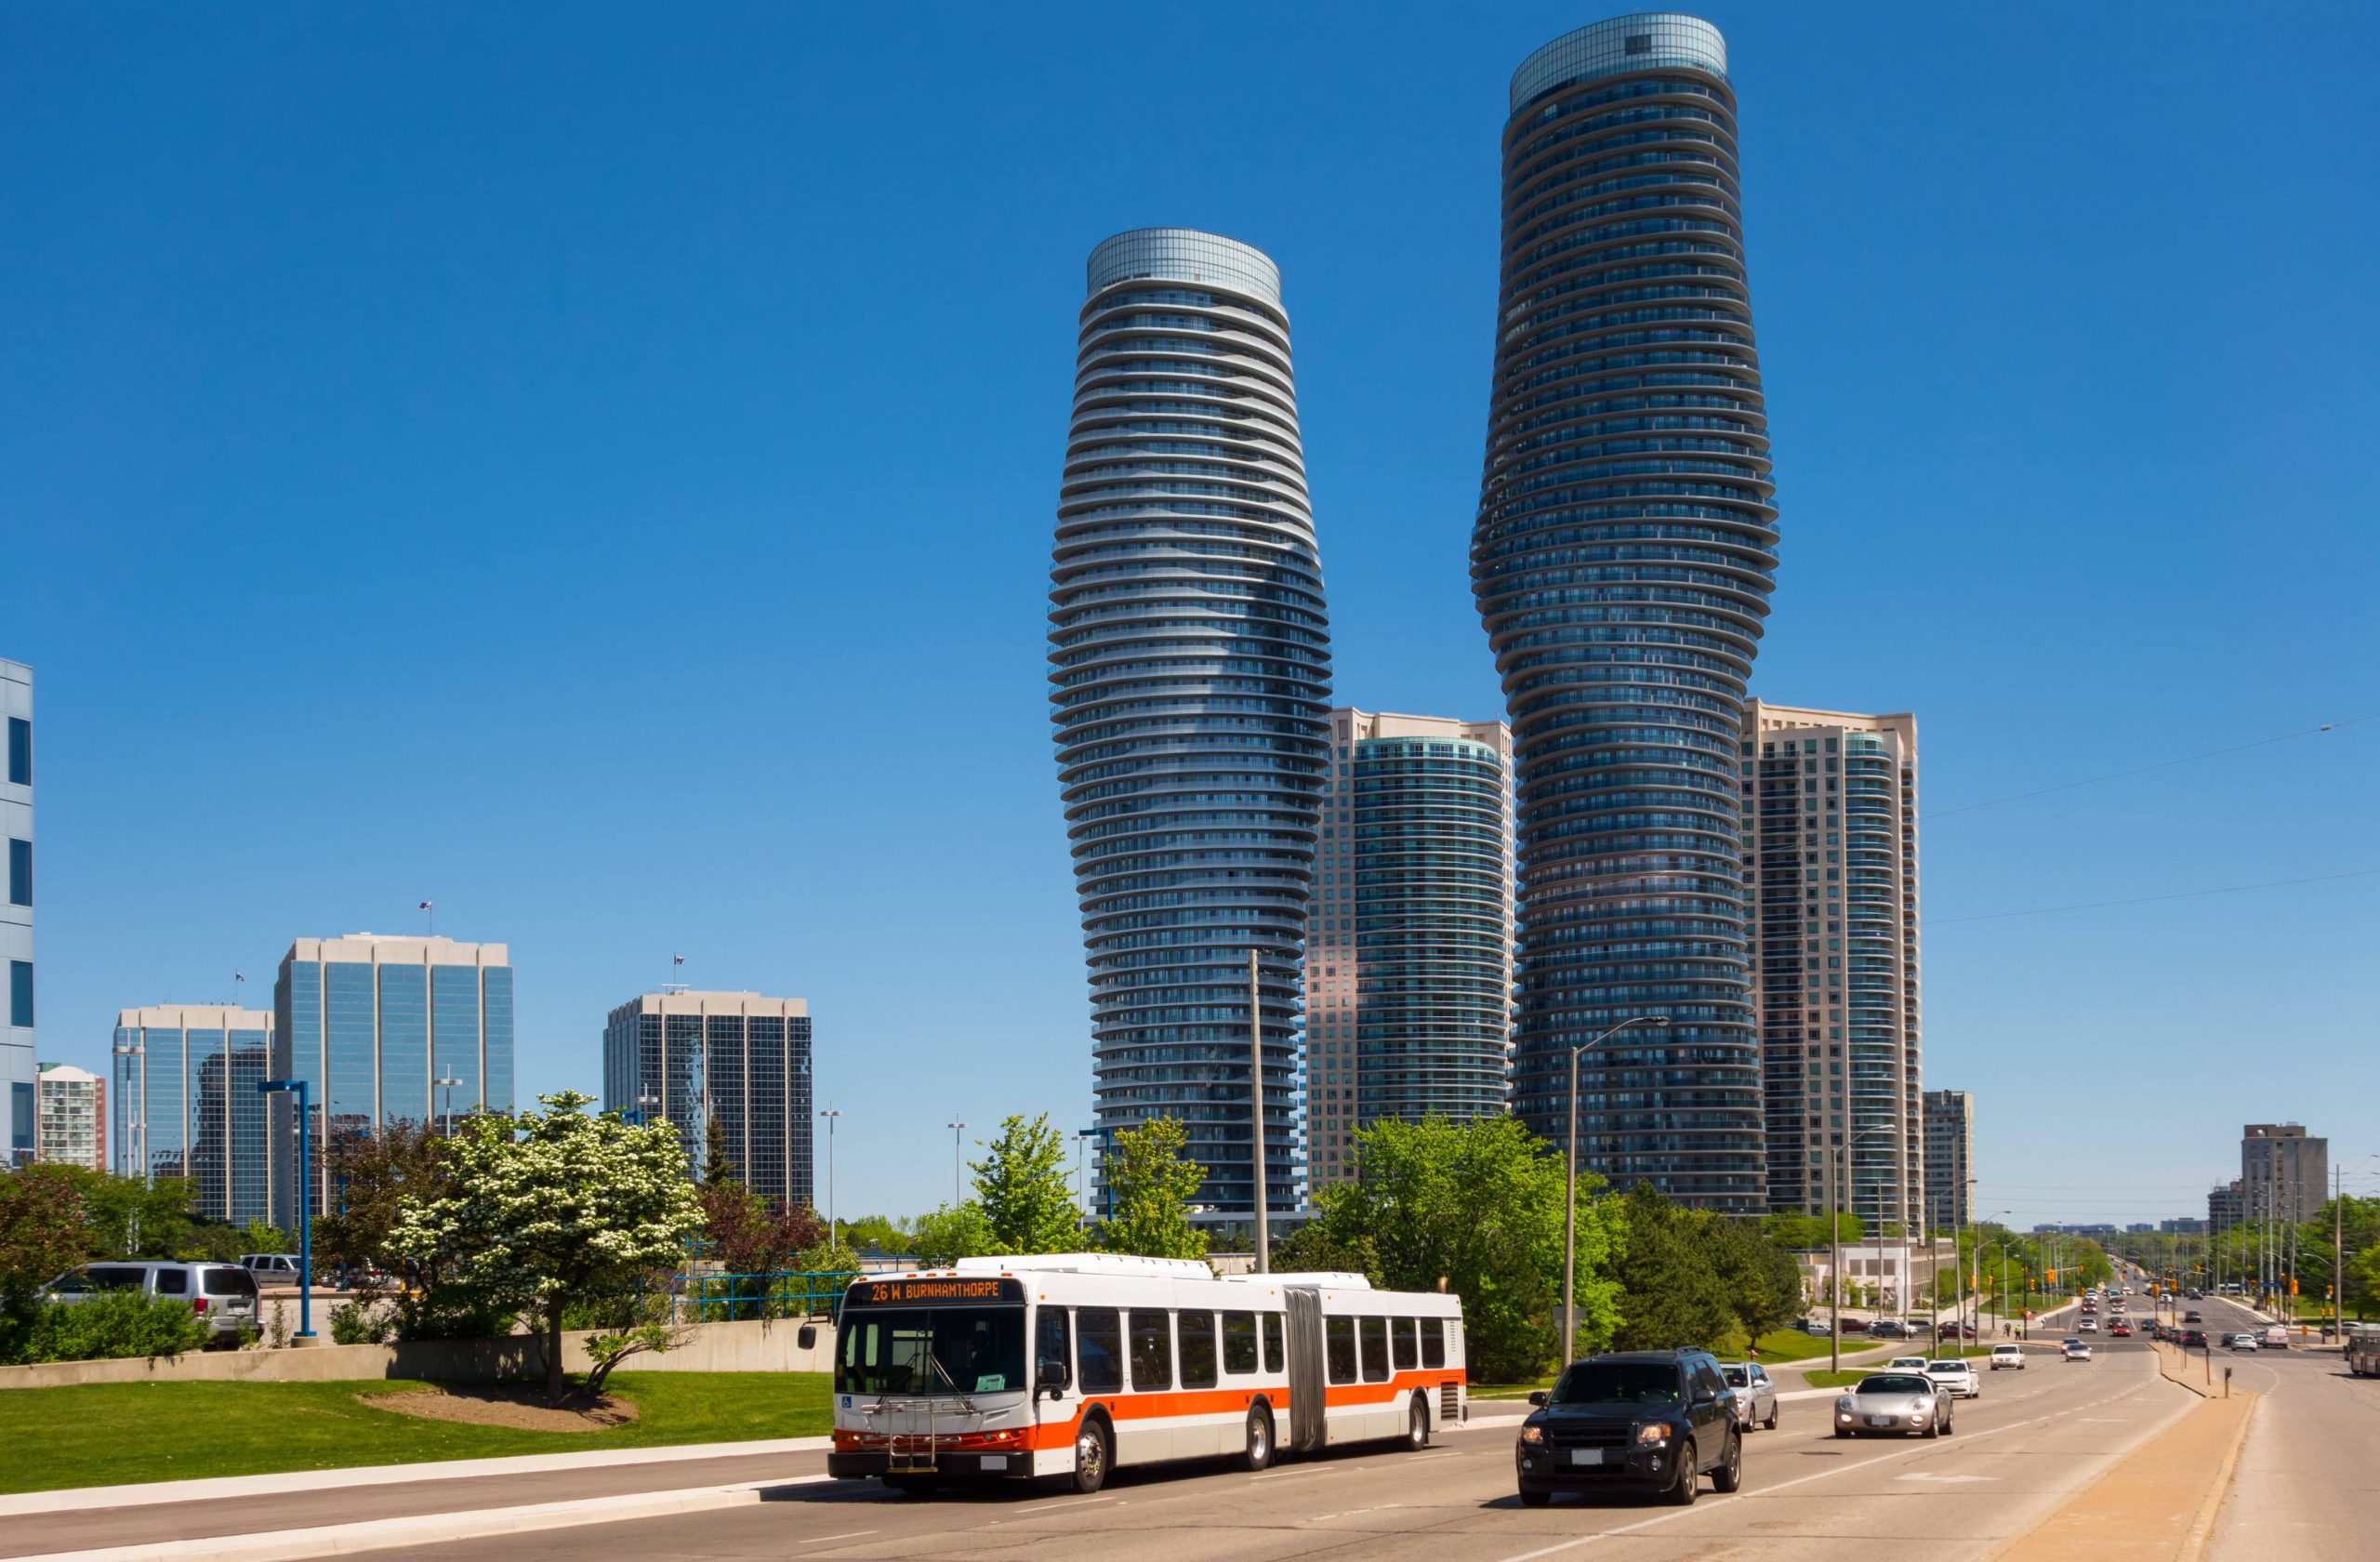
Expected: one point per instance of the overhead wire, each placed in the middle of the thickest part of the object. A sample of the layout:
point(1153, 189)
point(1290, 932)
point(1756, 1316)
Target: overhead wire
point(2143, 770)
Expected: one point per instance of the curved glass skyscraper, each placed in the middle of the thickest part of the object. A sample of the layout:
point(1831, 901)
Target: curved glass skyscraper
point(1622, 559)
point(1190, 672)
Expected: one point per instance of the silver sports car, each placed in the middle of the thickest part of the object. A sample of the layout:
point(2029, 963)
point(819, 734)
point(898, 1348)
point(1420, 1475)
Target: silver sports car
point(1906, 1404)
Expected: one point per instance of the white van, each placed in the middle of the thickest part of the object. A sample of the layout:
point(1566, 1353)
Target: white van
point(224, 1295)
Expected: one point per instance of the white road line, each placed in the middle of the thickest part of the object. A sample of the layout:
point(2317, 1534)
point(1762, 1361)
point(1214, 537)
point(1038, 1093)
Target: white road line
point(1068, 1503)
point(851, 1535)
point(1283, 1475)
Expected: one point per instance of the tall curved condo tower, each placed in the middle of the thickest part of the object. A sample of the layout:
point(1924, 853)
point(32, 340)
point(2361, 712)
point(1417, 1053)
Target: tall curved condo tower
point(1190, 673)
point(1623, 558)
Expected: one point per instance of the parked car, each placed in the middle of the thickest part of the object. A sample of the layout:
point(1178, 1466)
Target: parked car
point(1900, 1404)
point(1955, 1378)
point(1657, 1420)
point(1955, 1331)
point(224, 1295)
point(271, 1268)
point(2002, 1356)
point(1888, 1328)
point(2075, 1350)
point(1755, 1392)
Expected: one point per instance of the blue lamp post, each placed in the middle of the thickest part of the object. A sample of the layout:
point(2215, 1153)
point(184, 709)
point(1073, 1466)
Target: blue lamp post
point(305, 1207)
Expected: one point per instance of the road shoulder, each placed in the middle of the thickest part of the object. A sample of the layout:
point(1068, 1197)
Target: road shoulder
point(2156, 1504)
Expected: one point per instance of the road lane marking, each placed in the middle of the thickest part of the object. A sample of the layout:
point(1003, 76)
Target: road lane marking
point(1943, 1480)
point(1279, 1474)
point(1067, 1502)
point(850, 1535)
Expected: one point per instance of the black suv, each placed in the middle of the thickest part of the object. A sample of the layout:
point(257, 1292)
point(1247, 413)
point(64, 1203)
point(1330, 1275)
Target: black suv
point(1646, 1420)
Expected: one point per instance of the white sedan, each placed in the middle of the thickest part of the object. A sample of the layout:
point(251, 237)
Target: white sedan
point(2008, 1356)
point(1954, 1378)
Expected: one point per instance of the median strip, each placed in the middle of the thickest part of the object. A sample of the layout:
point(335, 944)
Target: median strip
point(2155, 1504)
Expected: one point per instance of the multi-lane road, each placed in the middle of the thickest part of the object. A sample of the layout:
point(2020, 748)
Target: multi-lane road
point(2035, 1438)
point(2307, 1485)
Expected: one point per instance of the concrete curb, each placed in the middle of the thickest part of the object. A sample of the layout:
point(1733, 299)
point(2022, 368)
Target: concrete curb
point(77, 1498)
point(343, 1539)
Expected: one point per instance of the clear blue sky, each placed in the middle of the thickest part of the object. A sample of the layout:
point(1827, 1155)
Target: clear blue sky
point(593, 466)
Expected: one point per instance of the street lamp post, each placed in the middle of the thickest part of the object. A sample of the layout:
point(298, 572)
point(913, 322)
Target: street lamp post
point(136, 1129)
point(1834, 1237)
point(305, 1206)
point(1570, 1210)
point(956, 1128)
point(446, 1083)
point(831, 1114)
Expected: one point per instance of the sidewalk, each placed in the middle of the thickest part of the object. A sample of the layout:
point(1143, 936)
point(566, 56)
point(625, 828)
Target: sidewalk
point(2156, 1504)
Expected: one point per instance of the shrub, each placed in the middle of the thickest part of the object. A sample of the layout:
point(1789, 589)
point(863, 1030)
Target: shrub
point(108, 1326)
point(361, 1322)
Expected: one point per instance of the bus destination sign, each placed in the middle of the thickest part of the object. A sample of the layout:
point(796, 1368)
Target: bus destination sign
point(933, 1293)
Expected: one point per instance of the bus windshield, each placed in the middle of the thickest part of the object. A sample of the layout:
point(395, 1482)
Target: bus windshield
point(931, 1351)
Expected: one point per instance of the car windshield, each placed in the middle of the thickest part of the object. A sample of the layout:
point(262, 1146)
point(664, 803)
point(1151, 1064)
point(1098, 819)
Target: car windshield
point(1618, 1383)
point(931, 1350)
point(1935, 1367)
point(1895, 1383)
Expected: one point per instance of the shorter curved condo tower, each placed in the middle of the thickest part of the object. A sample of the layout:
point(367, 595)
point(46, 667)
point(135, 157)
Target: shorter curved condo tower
point(1190, 677)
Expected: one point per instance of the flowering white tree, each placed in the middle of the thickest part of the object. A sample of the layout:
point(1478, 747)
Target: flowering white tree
point(550, 1207)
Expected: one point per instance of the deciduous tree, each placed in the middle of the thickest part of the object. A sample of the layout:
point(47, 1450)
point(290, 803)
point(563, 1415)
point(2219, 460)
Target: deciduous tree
point(951, 1233)
point(1022, 1187)
point(1150, 1181)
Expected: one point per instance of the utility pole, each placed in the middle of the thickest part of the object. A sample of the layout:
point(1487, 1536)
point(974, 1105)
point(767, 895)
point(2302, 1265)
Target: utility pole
point(1256, 1093)
point(2338, 1254)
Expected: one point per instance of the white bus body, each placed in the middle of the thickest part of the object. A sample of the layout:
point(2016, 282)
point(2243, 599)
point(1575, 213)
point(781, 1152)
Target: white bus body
point(1067, 1365)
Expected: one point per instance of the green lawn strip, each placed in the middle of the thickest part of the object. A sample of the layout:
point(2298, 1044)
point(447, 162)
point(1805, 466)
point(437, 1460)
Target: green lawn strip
point(1791, 1344)
point(120, 1434)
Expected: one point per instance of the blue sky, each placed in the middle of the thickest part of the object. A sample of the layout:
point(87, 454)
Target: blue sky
point(593, 466)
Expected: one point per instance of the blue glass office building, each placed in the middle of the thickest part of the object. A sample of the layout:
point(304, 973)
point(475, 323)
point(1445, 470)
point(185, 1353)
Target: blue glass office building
point(372, 1024)
point(185, 1104)
point(1622, 559)
point(1190, 676)
point(734, 1058)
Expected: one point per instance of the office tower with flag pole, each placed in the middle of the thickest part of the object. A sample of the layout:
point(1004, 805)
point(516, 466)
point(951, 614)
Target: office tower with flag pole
point(737, 1059)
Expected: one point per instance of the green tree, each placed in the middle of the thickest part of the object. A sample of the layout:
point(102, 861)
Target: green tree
point(1021, 1186)
point(1671, 1290)
point(41, 1229)
point(261, 1237)
point(376, 1174)
point(878, 1233)
point(1150, 1181)
point(717, 1167)
point(130, 1217)
point(553, 1207)
point(1760, 1278)
point(1311, 1249)
point(1479, 1205)
point(951, 1233)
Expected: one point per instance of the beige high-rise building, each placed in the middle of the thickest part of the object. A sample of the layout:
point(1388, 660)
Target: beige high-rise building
point(1830, 807)
point(1408, 948)
point(70, 1125)
point(2284, 1174)
point(1949, 1159)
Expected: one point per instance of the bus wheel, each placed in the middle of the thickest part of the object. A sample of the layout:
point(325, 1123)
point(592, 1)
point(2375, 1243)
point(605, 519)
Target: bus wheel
point(1093, 1455)
point(1417, 1425)
point(1260, 1438)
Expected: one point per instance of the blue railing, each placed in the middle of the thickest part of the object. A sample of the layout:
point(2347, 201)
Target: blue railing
point(716, 1298)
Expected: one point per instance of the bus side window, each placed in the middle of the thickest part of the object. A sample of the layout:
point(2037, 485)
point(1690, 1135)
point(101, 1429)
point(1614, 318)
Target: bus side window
point(1049, 1344)
point(1339, 1348)
point(1152, 1349)
point(1196, 1332)
point(1276, 1357)
point(1239, 1342)
point(1375, 1333)
point(1400, 1335)
point(1434, 1344)
point(1100, 1331)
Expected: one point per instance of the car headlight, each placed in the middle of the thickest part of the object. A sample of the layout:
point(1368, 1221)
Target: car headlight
point(1533, 1435)
point(1657, 1433)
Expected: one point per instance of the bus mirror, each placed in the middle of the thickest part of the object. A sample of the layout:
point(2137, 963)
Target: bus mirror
point(806, 1336)
point(1051, 1378)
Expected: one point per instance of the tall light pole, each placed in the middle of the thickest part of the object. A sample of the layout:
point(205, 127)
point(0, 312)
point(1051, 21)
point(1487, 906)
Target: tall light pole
point(305, 1207)
point(1263, 1185)
point(956, 1128)
point(831, 1114)
point(1834, 1236)
point(446, 1083)
point(136, 1129)
point(1570, 1210)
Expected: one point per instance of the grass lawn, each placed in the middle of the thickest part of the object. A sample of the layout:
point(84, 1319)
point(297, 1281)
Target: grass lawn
point(117, 1434)
point(1791, 1344)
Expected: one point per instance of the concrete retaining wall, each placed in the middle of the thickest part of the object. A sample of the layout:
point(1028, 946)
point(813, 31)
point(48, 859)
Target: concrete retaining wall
point(770, 1347)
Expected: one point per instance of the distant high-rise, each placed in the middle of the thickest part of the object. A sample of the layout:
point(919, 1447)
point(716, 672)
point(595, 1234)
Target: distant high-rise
point(70, 1126)
point(1190, 677)
point(2227, 1206)
point(1830, 815)
point(187, 1103)
point(17, 1070)
point(1622, 559)
point(2284, 1174)
point(1949, 1159)
point(691, 1058)
point(373, 1022)
point(1408, 966)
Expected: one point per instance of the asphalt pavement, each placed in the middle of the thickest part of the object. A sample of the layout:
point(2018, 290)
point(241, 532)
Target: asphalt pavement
point(2307, 1486)
point(2035, 1438)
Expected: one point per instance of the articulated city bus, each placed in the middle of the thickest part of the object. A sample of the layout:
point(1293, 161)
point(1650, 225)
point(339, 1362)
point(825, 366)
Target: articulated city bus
point(1068, 1365)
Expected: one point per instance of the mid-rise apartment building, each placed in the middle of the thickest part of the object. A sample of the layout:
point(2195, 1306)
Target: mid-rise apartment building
point(187, 1103)
point(387, 1028)
point(70, 1124)
point(1408, 963)
point(1949, 1159)
point(2227, 1207)
point(1830, 810)
point(2283, 1172)
point(736, 1058)
point(16, 1068)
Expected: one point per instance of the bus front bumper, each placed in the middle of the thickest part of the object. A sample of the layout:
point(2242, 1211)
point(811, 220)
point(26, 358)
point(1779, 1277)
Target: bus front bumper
point(946, 1464)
